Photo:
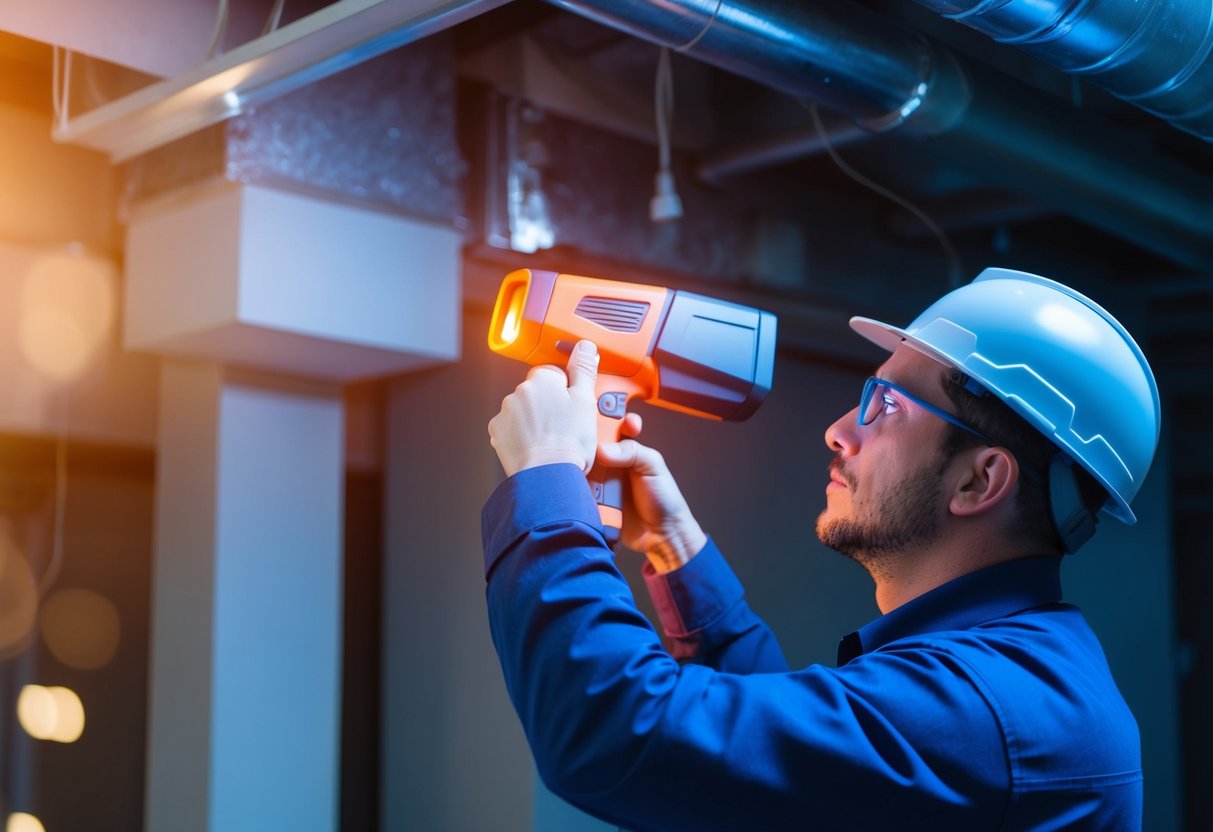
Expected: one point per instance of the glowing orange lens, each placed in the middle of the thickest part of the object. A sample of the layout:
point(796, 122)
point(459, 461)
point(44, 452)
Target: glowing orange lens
point(509, 313)
point(512, 325)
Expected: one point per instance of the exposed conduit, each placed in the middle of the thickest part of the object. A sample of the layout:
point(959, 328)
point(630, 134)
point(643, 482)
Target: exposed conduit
point(1153, 53)
point(863, 66)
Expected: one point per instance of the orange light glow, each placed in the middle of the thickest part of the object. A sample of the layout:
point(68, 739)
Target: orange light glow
point(509, 312)
point(509, 330)
point(67, 311)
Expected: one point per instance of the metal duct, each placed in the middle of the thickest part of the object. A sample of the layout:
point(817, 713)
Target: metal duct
point(1152, 53)
point(862, 65)
point(848, 58)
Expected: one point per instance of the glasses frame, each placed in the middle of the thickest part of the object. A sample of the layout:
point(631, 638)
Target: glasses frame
point(869, 391)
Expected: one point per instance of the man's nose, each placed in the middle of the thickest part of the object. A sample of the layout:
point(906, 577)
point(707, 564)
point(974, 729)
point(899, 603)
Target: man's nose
point(842, 437)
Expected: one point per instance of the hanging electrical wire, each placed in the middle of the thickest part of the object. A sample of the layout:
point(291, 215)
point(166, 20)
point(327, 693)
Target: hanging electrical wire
point(217, 35)
point(271, 23)
point(61, 79)
point(666, 204)
point(951, 258)
point(55, 564)
point(689, 45)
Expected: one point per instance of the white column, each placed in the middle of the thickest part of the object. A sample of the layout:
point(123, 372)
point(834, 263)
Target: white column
point(246, 623)
point(246, 654)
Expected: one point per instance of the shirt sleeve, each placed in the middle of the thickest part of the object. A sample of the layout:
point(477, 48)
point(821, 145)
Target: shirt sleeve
point(705, 617)
point(894, 740)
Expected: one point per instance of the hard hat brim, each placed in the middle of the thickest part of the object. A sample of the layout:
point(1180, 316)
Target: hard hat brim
point(889, 337)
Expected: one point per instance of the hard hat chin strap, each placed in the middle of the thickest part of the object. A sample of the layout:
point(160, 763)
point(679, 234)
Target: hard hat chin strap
point(1073, 517)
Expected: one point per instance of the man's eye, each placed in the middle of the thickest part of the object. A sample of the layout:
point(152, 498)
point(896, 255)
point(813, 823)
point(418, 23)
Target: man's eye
point(888, 403)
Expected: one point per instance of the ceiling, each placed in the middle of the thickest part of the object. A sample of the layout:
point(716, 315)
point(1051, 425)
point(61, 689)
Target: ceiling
point(992, 198)
point(988, 199)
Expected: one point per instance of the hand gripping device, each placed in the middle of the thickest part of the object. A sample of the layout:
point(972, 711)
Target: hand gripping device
point(671, 348)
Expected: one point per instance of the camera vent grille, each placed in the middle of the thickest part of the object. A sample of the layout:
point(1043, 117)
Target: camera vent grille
point(612, 313)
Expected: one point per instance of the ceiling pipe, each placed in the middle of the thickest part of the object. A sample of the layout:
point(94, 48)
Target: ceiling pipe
point(1156, 54)
point(880, 76)
point(845, 57)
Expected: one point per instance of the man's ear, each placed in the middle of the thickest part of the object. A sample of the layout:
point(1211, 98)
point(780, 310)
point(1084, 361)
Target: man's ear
point(984, 480)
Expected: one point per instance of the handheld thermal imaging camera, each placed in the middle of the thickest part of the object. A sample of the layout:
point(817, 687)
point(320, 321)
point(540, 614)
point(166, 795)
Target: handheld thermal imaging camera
point(671, 348)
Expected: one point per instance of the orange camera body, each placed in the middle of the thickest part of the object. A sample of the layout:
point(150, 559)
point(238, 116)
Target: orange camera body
point(671, 348)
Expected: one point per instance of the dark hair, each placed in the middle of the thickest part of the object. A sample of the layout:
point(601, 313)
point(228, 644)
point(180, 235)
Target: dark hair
point(1032, 449)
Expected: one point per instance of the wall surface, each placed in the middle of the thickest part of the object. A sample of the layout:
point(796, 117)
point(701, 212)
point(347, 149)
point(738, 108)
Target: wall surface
point(453, 753)
point(1123, 582)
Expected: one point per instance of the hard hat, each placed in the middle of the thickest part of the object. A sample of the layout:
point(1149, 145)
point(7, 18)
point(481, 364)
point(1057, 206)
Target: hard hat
point(1057, 359)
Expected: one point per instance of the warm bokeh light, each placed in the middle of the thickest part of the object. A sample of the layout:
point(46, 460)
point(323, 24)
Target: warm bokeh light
point(18, 598)
point(37, 711)
point(67, 310)
point(50, 713)
point(23, 822)
point(71, 715)
point(80, 627)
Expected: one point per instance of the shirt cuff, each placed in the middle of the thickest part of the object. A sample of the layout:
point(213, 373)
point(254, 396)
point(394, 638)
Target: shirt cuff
point(532, 498)
point(693, 597)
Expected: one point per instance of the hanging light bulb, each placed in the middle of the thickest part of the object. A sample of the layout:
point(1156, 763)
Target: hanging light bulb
point(666, 204)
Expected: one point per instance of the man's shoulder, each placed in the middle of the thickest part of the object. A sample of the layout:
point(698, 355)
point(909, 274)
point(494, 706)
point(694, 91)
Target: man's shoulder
point(1037, 655)
point(1046, 681)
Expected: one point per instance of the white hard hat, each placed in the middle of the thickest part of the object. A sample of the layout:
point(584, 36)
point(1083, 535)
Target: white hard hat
point(1057, 359)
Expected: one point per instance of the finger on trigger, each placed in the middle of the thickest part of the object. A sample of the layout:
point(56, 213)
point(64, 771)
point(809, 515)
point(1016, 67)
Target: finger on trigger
point(632, 425)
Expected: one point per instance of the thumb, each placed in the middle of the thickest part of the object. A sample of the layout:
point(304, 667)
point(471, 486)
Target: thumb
point(583, 368)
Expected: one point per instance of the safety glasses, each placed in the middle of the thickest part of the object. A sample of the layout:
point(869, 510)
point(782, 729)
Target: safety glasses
point(880, 394)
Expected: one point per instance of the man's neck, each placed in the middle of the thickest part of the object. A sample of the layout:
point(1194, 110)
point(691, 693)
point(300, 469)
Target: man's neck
point(916, 573)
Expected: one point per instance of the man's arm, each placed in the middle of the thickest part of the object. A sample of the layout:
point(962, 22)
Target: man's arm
point(621, 729)
point(706, 619)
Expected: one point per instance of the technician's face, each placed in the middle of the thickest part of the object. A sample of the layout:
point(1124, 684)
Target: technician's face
point(885, 495)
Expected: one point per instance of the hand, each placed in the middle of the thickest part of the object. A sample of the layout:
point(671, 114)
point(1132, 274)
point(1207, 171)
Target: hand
point(550, 417)
point(656, 519)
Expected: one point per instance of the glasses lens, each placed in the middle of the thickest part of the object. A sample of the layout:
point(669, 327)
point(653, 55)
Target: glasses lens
point(869, 402)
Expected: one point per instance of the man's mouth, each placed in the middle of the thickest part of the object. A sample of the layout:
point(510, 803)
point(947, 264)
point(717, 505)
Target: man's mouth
point(839, 475)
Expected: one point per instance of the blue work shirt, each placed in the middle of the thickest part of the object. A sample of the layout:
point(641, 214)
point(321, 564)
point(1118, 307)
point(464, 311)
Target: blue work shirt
point(985, 704)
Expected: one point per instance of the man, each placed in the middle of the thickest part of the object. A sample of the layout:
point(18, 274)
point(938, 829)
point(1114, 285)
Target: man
point(1005, 416)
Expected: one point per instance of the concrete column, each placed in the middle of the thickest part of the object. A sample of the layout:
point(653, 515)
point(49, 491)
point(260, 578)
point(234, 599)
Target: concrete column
point(245, 678)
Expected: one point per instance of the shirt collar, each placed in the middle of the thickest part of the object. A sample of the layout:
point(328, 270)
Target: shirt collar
point(981, 596)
